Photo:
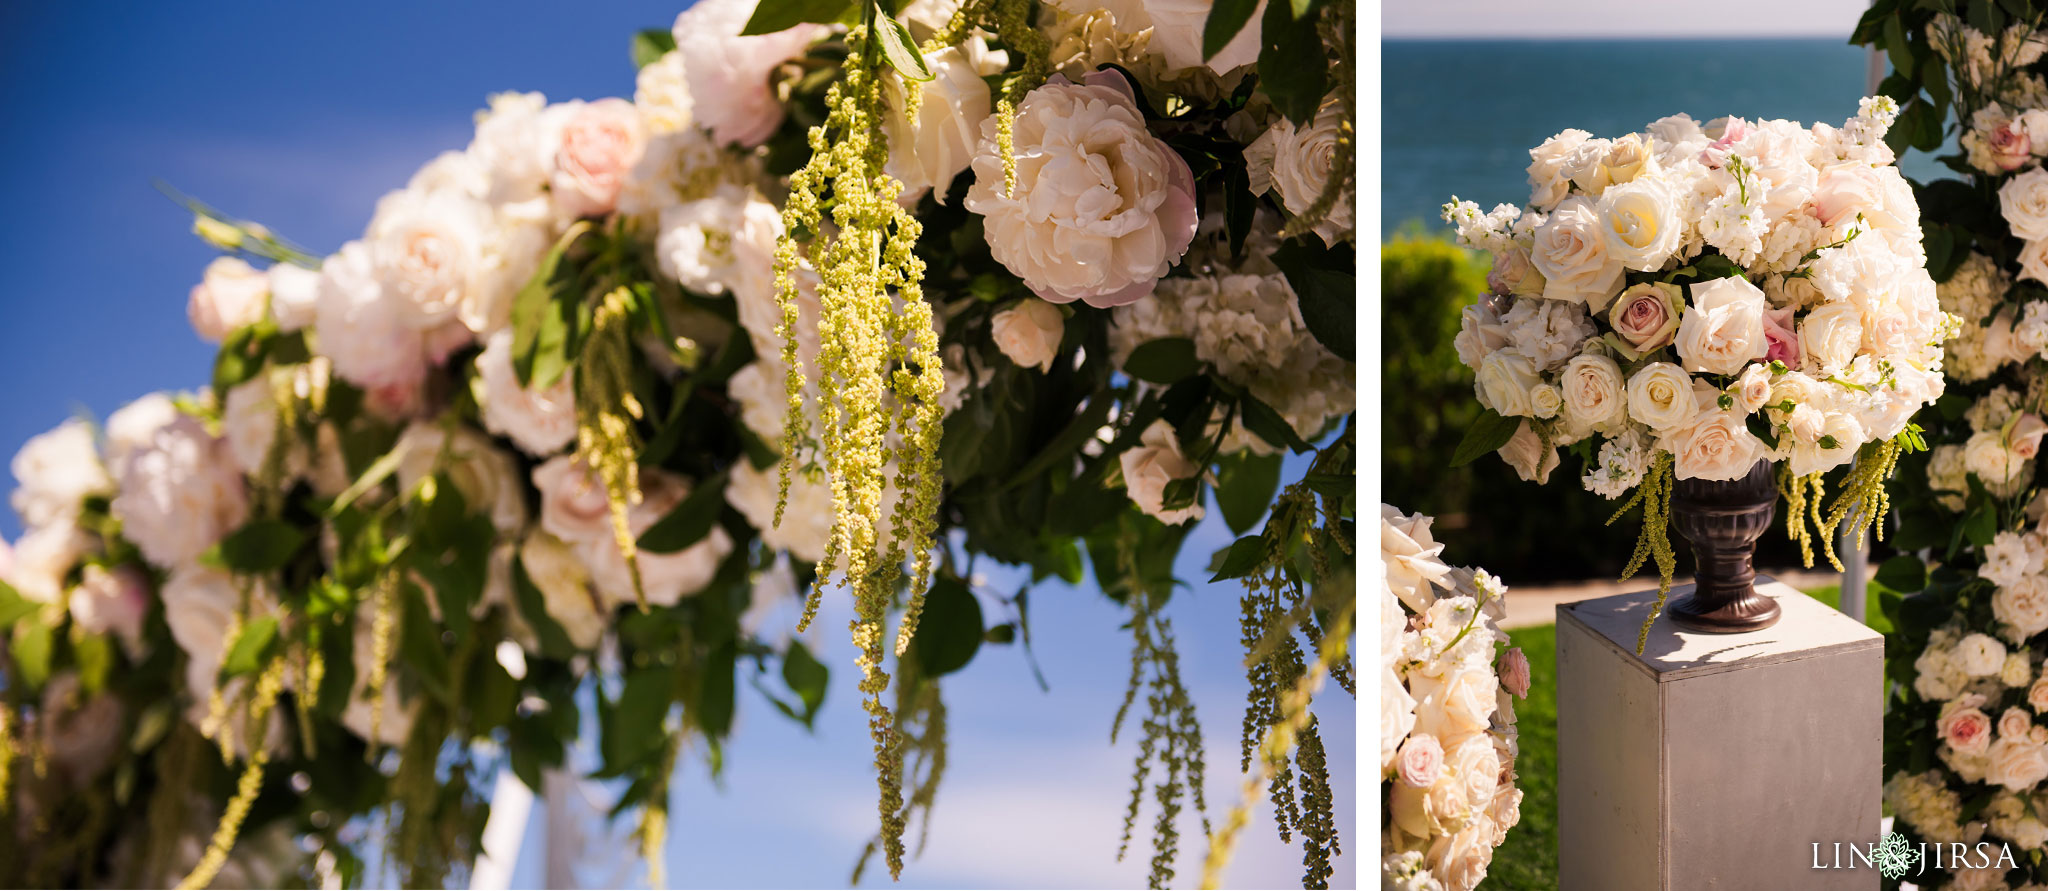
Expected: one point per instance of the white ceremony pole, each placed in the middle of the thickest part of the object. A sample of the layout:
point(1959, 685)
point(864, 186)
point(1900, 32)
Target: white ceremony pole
point(1855, 555)
point(511, 807)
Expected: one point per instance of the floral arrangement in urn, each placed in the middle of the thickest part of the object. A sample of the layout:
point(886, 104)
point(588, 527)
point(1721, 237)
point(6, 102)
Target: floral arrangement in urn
point(1447, 717)
point(848, 299)
point(1688, 301)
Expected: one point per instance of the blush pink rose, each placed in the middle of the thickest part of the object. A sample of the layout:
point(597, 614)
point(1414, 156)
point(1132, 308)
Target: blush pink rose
point(728, 74)
point(1783, 342)
point(1846, 190)
point(1964, 726)
point(573, 506)
point(600, 144)
point(1514, 672)
point(2011, 147)
point(1420, 762)
point(1646, 315)
point(2025, 440)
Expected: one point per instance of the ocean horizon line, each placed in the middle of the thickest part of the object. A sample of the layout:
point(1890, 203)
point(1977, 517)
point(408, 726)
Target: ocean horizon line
point(1613, 38)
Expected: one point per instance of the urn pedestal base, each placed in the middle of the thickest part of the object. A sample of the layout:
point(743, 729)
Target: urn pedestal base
point(1713, 761)
point(1722, 520)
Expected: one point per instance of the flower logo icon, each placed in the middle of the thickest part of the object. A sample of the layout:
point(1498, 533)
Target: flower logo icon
point(1895, 856)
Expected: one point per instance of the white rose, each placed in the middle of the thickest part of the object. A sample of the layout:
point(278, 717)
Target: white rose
point(1715, 446)
point(666, 578)
point(1411, 557)
point(1660, 396)
point(1642, 223)
point(1980, 655)
point(232, 295)
point(294, 292)
point(54, 471)
point(807, 519)
point(179, 494)
point(2023, 604)
point(2023, 201)
point(928, 150)
point(1586, 166)
point(43, 557)
point(564, 586)
point(1724, 330)
point(1101, 208)
point(1296, 162)
point(1397, 716)
point(1177, 26)
point(1526, 453)
point(427, 252)
point(2017, 765)
point(1753, 388)
point(1845, 190)
point(540, 422)
point(1455, 705)
point(484, 474)
point(1829, 337)
point(1504, 381)
point(1029, 333)
point(361, 329)
point(1571, 251)
point(573, 505)
point(1545, 401)
point(1547, 181)
point(1986, 455)
point(1836, 443)
point(1151, 466)
point(1593, 395)
point(2033, 265)
point(728, 75)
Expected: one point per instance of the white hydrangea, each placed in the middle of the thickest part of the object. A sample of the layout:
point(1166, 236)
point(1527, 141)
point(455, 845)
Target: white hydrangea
point(1926, 803)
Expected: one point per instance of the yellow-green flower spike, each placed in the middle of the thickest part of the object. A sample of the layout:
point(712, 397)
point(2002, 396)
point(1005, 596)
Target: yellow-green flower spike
point(606, 408)
point(268, 685)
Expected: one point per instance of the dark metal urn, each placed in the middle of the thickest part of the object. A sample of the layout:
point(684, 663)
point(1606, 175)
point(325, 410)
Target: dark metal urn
point(1723, 519)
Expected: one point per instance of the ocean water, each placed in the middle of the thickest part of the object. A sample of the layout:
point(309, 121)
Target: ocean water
point(1459, 116)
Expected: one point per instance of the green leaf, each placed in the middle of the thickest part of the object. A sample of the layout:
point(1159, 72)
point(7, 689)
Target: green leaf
point(1293, 69)
point(1760, 427)
point(241, 356)
point(1325, 283)
point(374, 476)
point(1487, 434)
point(247, 653)
point(419, 643)
point(33, 642)
point(1163, 361)
point(261, 546)
point(771, 16)
point(635, 730)
point(651, 44)
point(14, 607)
point(94, 656)
point(950, 630)
point(901, 49)
point(1981, 526)
point(1903, 573)
point(1243, 556)
point(714, 700)
point(1245, 484)
point(690, 521)
point(1268, 425)
point(1226, 19)
point(542, 313)
point(806, 677)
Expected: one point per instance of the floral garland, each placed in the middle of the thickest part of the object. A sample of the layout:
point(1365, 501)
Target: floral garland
point(1447, 719)
point(1685, 302)
point(594, 396)
point(1966, 759)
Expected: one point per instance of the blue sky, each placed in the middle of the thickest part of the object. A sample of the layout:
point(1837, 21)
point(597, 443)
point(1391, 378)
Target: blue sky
point(300, 117)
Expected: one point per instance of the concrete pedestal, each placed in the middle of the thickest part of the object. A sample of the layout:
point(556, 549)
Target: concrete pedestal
point(1716, 760)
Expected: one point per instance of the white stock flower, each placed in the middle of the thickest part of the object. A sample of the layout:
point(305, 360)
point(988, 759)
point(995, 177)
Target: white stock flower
point(1101, 208)
point(540, 422)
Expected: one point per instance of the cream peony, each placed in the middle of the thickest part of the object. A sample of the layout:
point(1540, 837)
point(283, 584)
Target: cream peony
point(1660, 396)
point(1725, 328)
point(928, 149)
point(366, 333)
point(1101, 208)
point(1029, 333)
point(427, 253)
point(728, 75)
point(54, 471)
point(179, 494)
point(540, 423)
point(1571, 251)
point(573, 506)
point(1642, 224)
point(232, 295)
point(1151, 466)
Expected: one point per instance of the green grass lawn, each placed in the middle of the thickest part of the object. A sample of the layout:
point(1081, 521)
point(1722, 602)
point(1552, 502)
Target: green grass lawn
point(1528, 859)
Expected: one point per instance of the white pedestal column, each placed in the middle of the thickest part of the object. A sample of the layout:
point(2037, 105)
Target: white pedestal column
point(1717, 760)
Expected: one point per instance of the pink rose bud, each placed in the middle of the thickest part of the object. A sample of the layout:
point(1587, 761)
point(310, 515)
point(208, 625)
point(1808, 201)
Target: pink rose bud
point(1420, 761)
point(1783, 342)
point(2026, 435)
point(600, 145)
point(2011, 148)
point(1514, 672)
point(1963, 726)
